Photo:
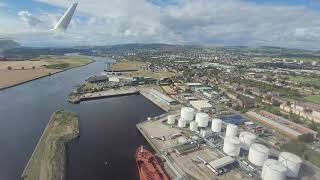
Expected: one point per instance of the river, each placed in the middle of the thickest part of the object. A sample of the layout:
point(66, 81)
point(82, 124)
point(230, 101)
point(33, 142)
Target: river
point(107, 126)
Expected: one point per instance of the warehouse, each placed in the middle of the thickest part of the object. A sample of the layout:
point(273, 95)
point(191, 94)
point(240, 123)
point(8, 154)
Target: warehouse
point(221, 163)
point(163, 97)
point(97, 79)
point(201, 106)
point(194, 85)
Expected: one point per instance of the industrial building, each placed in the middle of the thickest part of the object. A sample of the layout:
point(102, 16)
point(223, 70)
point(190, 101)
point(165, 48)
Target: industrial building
point(281, 126)
point(192, 86)
point(97, 79)
point(221, 163)
point(226, 146)
point(201, 106)
point(297, 127)
point(233, 119)
point(168, 100)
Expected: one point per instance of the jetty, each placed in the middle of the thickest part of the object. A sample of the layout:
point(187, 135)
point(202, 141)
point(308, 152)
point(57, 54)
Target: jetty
point(48, 161)
point(102, 94)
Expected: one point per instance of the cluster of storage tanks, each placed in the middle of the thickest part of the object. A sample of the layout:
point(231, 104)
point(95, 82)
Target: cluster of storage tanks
point(195, 120)
point(188, 115)
point(288, 164)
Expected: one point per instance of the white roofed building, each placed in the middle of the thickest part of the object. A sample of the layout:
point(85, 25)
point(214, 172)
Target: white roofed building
point(201, 106)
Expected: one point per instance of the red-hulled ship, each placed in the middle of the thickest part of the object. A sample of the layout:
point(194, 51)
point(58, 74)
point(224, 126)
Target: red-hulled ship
point(148, 165)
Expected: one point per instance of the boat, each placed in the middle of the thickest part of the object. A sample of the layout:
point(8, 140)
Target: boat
point(148, 166)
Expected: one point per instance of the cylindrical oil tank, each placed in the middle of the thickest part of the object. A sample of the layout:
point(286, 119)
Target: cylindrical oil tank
point(258, 154)
point(182, 123)
point(187, 113)
point(231, 146)
point(193, 126)
point(232, 130)
point(205, 132)
point(171, 119)
point(202, 119)
point(292, 162)
point(273, 170)
point(246, 139)
point(216, 125)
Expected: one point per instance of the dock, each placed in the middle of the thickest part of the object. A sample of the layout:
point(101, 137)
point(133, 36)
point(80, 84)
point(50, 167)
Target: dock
point(49, 158)
point(103, 94)
point(180, 157)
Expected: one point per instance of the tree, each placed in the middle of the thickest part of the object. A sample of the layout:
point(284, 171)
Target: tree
point(9, 68)
point(33, 67)
point(22, 68)
point(307, 138)
point(313, 126)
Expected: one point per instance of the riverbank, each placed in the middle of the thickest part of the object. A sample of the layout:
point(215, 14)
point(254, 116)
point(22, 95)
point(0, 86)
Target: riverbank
point(16, 77)
point(48, 161)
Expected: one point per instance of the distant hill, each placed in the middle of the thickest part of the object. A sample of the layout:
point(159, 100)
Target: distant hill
point(268, 51)
point(147, 47)
point(8, 44)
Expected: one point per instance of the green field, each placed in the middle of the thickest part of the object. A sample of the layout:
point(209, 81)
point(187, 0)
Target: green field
point(67, 62)
point(314, 99)
point(306, 80)
point(49, 157)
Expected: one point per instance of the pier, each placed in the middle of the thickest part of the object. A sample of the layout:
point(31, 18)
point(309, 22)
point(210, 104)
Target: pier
point(103, 94)
point(48, 161)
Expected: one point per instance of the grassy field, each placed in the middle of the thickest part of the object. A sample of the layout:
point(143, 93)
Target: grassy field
point(314, 99)
point(49, 157)
point(125, 65)
point(305, 80)
point(313, 157)
point(15, 72)
point(67, 62)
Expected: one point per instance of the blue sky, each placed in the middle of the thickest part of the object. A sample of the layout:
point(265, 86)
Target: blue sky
point(288, 23)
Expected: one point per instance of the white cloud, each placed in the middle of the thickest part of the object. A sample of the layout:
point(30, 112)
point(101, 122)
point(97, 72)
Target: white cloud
point(228, 22)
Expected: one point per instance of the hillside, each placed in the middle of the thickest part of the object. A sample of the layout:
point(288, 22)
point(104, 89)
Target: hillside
point(8, 44)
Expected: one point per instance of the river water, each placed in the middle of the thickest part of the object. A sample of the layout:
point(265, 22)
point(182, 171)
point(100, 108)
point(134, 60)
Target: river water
point(107, 126)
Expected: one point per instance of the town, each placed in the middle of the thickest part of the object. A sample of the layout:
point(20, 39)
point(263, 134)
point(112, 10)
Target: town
point(227, 116)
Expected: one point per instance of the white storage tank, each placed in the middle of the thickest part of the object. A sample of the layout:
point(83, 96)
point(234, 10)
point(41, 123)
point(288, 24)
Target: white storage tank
point(187, 113)
point(258, 154)
point(216, 125)
point(202, 119)
point(292, 162)
point(193, 126)
point(232, 130)
point(246, 139)
point(182, 123)
point(231, 146)
point(171, 119)
point(273, 170)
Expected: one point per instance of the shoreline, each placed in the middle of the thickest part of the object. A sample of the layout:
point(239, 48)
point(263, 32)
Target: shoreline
point(44, 76)
point(55, 169)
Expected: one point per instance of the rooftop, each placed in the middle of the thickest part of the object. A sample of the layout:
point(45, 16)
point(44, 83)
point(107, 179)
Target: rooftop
point(219, 163)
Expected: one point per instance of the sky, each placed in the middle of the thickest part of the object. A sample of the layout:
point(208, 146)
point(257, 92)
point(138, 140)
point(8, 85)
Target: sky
point(285, 23)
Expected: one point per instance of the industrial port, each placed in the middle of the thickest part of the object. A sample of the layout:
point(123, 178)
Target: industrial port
point(194, 146)
point(199, 137)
